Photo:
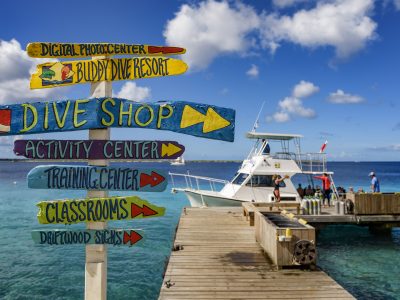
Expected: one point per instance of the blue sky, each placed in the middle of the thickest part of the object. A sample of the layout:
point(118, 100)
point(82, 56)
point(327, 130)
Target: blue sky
point(326, 69)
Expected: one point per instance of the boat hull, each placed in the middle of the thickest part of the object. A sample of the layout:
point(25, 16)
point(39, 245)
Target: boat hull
point(199, 200)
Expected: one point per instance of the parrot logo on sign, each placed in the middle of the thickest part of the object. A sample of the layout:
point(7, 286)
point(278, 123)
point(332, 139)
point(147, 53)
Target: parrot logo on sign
point(58, 73)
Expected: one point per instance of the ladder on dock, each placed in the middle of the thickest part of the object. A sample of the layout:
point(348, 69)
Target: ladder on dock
point(333, 186)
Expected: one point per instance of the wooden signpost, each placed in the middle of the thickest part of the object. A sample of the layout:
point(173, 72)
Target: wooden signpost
point(73, 211)
point(114, 237)
point(202, 120)
point(76, 50)
point(99, 113)
point(85, 71)
point(98, 149)
point(97, 178)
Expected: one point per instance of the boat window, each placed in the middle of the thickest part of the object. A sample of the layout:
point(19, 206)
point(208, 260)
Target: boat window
point(263, 181)
point(239, 178)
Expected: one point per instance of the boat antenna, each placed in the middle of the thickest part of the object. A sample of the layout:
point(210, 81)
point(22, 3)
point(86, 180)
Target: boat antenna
point(255, 126)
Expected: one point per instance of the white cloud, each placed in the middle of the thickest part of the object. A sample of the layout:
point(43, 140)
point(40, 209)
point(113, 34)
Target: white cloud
point(279, 117)
point(224, 91)
point(210, 29)
point(396, 4)
point(340, 97)
point(293, 106)
point(9, 140)
point(14, 62)
point(253, 72)
point(393, 147)
point(133, 92)
point(304, 89)
point(5, 141)
point(287, 3)
point(15, 69)
point(342, 24)
point(18, 91)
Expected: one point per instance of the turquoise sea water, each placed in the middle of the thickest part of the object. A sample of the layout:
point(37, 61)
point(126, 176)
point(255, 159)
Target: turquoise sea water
point(367, 265)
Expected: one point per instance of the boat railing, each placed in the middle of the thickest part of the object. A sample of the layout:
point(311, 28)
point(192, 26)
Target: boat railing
point(307, 162)
point(195, 182)
point(285, 155)
point(312, 162)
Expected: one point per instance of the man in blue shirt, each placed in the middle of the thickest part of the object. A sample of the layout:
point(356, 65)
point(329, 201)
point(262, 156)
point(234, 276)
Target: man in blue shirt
point(374, 183)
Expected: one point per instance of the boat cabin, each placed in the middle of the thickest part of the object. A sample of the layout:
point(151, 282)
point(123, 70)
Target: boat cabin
point(253, 181)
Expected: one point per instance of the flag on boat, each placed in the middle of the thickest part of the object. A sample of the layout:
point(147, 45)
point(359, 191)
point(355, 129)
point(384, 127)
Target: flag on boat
point(323, 146)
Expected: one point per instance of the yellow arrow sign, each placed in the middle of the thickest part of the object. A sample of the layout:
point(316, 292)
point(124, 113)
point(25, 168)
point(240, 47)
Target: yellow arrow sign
point(211, 120)
point(73, 72)
point(169, 149)
point(72, 211)
point(68, 50)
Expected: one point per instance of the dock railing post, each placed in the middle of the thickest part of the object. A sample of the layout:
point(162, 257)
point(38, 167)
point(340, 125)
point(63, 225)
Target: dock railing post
point(96, 255)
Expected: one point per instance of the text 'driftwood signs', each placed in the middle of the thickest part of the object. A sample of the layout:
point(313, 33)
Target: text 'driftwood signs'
point(195, 119)
point(113, 237)
point(97, 178)
point(98, 149)
point(79, 50)
point(71, 211)
point(75, 72)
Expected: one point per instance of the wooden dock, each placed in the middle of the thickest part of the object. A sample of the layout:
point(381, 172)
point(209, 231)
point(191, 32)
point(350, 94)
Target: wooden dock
point(220, 259)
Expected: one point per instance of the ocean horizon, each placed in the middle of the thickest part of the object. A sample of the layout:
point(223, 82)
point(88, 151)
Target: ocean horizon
point(367, 265)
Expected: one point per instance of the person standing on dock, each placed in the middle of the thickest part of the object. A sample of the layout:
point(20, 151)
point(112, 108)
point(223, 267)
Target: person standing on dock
point(300, 190)
point(277, 181)
point(326, 188)
point(375, 188)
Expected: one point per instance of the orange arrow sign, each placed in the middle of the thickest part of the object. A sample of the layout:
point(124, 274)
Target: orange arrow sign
point(153, 179)
point(133, 237)
point(144, 210)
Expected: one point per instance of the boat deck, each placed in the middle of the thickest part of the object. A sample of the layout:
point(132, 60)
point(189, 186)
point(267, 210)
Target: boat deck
point(220, 259)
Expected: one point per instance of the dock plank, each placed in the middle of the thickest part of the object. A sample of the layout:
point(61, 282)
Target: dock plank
point(220, 259)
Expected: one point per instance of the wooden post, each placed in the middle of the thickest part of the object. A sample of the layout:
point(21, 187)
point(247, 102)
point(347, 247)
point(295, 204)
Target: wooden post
point(96, 255)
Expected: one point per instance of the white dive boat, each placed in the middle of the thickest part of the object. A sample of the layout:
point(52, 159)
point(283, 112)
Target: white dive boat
point(180, 161)
point(253, 181)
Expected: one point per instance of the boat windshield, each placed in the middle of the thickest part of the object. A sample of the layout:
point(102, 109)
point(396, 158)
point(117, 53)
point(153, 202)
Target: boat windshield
point(239, 178)
point(263, 181)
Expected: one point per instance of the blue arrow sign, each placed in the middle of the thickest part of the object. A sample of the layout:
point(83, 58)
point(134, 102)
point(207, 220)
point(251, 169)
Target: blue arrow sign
point(200, 120)
point(97, 178)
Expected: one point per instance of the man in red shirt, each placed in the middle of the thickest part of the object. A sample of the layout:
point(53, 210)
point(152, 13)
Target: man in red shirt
point(326, 188)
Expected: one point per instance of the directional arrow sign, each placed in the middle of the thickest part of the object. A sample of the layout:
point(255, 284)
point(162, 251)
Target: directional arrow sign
point(97, 178)
point(73, 72)
point(98, 149)
point(200, 120)
point(115, 237)
point(69, 50)
point(211, 120)
point(72, 211)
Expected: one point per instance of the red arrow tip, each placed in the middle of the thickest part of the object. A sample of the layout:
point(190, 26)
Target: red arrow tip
point(153, 179)
point(165, 50)
point(133, 237)
point(145, 211)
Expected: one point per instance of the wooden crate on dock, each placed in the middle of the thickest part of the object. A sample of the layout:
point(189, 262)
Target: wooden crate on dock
point(281, 253)
point(376, 203)
point(250, 207)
